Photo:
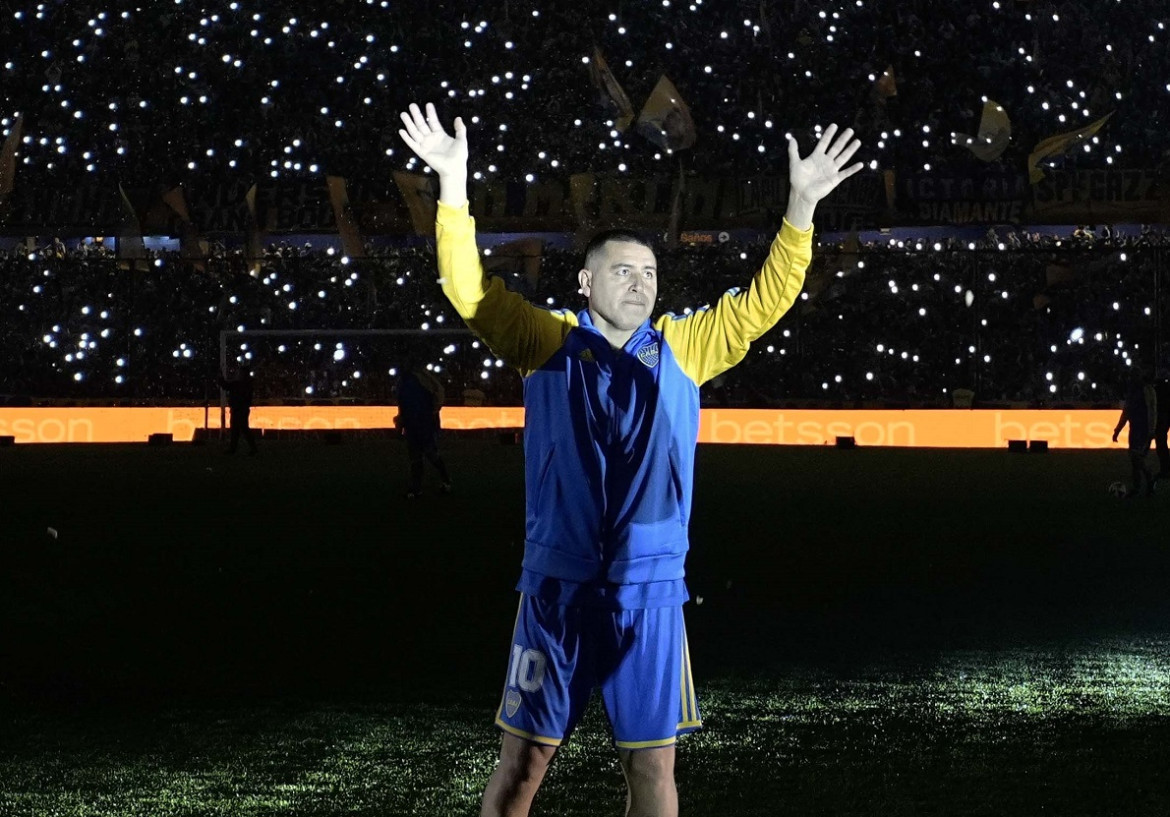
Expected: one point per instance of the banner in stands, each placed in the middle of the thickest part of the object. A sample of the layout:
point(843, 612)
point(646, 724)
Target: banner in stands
point(941, 428)
point(709, 202)
point(857, 202)
point(993, 197)
point(1100, 197)
point(406, 203)
point(84, 209)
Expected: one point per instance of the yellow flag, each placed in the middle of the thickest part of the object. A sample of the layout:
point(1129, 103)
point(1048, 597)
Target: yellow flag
point(1059, 143)
point(665, 119)
point(886, 86)
point(130, 247)
point(613, 97)
point(351, 238)
point(8, 157)
point(191, 246)
point(995, 133)
point(420, 198)
point(177, 201)
point(522, 256)
point(890, 182)
point(254, 251)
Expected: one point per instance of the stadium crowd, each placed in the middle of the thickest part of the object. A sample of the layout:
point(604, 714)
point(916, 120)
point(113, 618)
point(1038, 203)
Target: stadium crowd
point(156, 94)
point(1012, 318)
point(230, 89)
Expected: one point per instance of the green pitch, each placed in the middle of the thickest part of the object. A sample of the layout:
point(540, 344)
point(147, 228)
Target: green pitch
point(882, 632)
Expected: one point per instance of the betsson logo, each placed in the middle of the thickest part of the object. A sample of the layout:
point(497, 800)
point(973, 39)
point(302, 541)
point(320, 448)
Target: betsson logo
point(941, 428)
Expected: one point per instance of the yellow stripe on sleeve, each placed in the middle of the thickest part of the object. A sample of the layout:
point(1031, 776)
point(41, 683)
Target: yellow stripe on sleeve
point(522, 335)
point(713, 339)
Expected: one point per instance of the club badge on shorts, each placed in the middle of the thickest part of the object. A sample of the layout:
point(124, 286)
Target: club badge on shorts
point(511, 702)
point(648, 354)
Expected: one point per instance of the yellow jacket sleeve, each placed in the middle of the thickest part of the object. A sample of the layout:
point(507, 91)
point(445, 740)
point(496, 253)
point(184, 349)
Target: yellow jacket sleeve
point(520, 334)
point(713, 339)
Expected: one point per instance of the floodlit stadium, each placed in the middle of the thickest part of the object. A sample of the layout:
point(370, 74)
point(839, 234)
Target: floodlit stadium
point(925, 570)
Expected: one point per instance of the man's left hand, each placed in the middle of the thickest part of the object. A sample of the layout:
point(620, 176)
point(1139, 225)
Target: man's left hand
point(815, 176)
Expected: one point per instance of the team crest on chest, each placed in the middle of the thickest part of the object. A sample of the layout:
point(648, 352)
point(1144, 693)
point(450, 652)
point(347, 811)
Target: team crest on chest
point(586, 356)
point(648, 354)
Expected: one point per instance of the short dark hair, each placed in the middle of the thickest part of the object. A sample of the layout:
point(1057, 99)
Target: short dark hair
point(604, 237)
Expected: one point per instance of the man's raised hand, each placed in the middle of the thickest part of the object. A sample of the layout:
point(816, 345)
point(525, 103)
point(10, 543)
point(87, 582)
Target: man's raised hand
point(815, 176)
point(446, 154)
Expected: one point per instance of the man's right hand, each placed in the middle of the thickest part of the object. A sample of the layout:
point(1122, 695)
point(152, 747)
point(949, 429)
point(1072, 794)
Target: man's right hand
point(447, 155)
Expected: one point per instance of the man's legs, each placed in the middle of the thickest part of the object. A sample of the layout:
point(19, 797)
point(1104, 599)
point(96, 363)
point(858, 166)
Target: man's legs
point(514, 783)
point(650, 699)
point(246, 430)
point(432, 455)
point(650, 778)
point(250, 439)
point(1140, 474)
point(415, 454)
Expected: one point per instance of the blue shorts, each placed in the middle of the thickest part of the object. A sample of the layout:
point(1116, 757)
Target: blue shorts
point(638, 658)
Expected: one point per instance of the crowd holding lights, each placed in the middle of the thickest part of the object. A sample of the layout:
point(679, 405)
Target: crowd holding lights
point(905, 322)
point(127, 95)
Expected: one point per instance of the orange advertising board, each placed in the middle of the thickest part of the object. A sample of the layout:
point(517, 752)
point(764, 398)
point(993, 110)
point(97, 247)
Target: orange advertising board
point(941, 428)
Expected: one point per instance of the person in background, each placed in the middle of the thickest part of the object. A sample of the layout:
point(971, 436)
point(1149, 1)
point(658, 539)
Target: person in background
point(1162, 424)
point(238, 385)
point(420, 396)
point(1139, 411)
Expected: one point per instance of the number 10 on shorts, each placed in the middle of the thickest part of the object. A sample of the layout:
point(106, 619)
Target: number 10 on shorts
point(527, 670)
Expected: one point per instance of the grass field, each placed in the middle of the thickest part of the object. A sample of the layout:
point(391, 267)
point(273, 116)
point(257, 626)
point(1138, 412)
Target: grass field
point(882, 631)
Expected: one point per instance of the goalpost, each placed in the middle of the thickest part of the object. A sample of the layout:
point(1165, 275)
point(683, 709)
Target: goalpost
point(227, 336)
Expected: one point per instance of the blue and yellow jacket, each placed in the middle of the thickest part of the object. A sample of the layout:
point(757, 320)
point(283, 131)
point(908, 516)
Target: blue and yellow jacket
point(610, 434)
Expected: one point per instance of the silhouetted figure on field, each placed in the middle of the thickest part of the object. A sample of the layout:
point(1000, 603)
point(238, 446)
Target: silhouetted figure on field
point(1162, 425)
point(238, 385)
point(1140, 412)
point(420, 396)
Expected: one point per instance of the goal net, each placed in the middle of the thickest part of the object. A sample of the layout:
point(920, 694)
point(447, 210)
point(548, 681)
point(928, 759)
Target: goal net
point(362, 366)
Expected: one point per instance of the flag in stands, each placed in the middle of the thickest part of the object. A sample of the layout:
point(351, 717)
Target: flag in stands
point(193, 249)
point(1059, 143)
point(995, 133)
point(351, 238)
point(665, 119)
point(520, 257)
point(254, 251)
point(8, 157)
point(613, 98)
point(130, 246)
point(418, 191)
point(886, 86)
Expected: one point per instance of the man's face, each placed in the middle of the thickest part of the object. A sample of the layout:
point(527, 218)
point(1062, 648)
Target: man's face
point(622, 286)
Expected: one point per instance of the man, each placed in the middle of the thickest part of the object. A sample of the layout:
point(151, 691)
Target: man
point(1140, 411)
point(611, 422)
point(420, 396)
point(239, 394)
point(1162, 424)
